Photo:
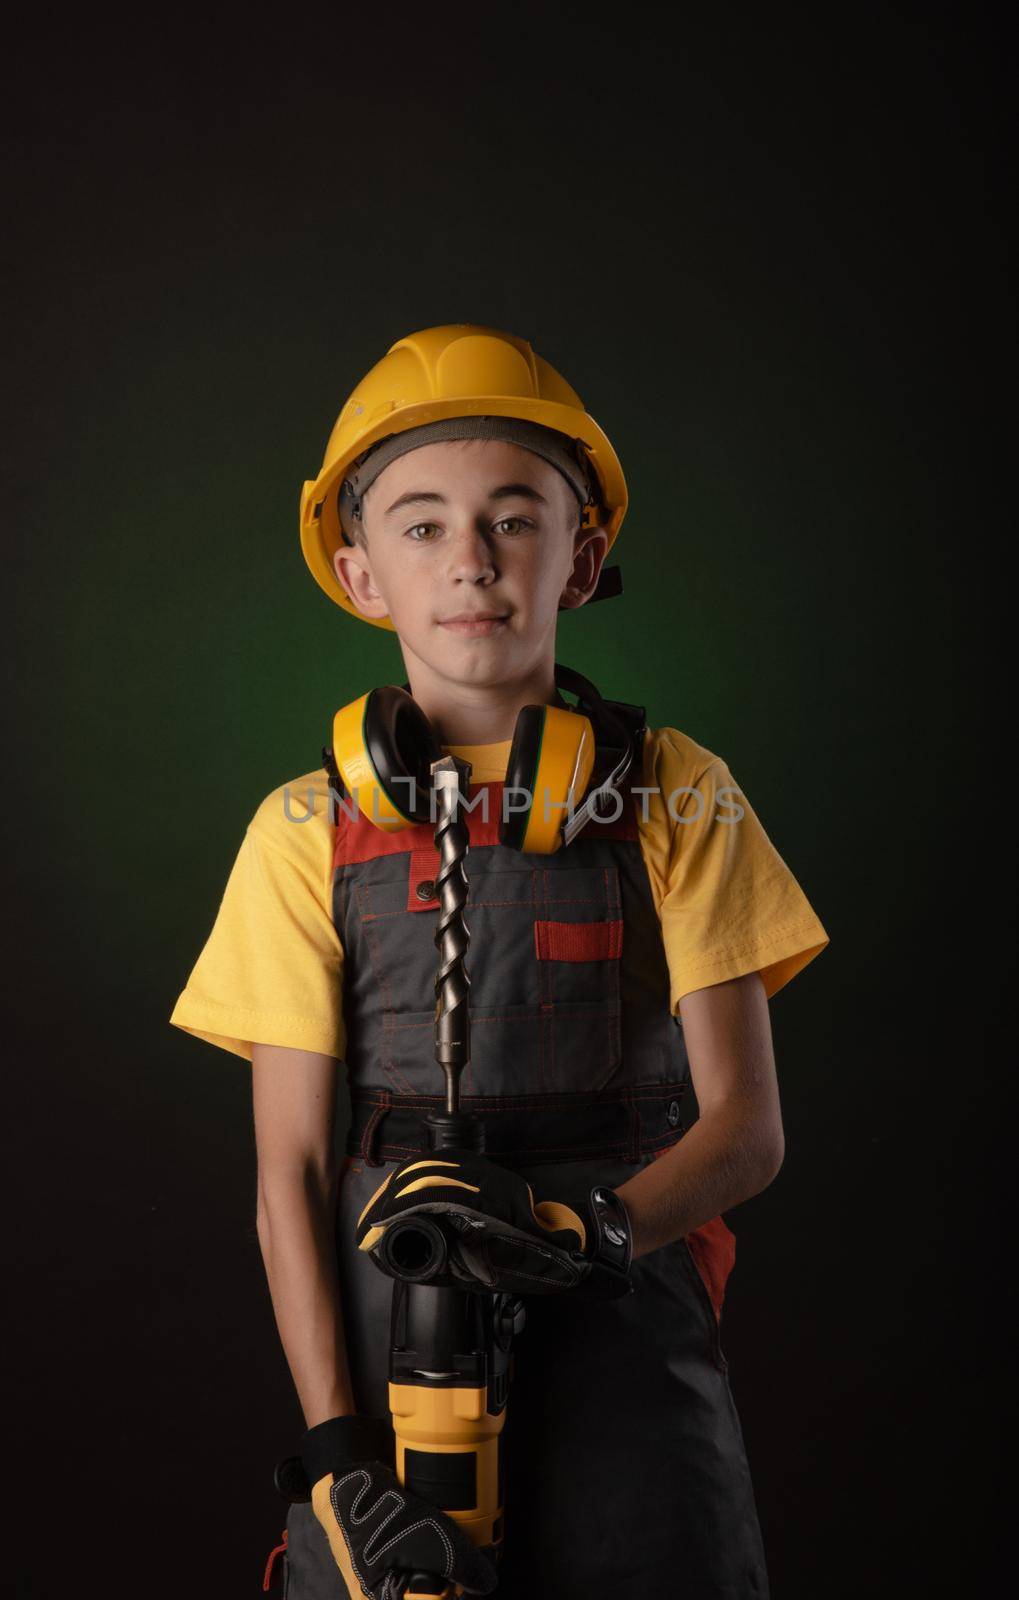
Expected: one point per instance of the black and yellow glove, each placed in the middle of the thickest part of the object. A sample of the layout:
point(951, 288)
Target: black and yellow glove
point(498, 1238)
point(379, 1533)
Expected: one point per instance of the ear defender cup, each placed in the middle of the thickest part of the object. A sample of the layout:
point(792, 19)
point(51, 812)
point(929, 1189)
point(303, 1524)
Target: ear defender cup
point(551, 760)
point(383, 740)
point(380, 742)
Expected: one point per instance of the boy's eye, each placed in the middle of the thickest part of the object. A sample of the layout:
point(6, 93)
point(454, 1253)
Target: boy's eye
point(502, 523)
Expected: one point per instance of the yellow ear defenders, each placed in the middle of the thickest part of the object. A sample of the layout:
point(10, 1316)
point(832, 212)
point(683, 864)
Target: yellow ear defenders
point(384, 745)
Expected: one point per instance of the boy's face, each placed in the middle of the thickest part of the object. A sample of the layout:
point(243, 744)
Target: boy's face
point(472, 526)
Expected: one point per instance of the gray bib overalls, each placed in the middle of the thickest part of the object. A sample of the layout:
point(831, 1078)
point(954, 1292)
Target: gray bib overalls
point(625, 1469)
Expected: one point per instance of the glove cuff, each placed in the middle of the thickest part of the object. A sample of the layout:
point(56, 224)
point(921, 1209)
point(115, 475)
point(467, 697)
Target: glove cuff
point(346, 1442)
point(610, 1251)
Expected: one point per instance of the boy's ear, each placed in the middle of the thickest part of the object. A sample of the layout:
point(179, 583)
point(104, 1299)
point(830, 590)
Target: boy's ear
point(353, 571)
point(590, 547)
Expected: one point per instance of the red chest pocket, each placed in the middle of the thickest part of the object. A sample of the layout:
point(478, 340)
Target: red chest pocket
point(579, 941)
point(578, 948)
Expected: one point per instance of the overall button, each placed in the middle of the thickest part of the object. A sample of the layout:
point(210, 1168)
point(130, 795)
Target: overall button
point(426, 889)
point(673, 1113)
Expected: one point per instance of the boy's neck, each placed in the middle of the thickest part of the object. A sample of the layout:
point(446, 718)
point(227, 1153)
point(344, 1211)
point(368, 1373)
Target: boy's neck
point(477, 718)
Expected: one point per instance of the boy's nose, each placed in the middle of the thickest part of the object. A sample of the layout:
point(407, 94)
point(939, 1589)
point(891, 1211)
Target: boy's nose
point(471, 556)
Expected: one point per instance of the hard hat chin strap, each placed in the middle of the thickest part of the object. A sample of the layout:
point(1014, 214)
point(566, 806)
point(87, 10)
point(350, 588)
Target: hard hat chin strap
point(610, 583)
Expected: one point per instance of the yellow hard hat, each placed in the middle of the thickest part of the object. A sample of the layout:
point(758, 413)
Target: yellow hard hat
point(457, 370)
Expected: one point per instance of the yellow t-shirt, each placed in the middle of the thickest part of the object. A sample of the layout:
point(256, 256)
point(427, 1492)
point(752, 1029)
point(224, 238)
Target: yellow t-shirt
point(271, 971)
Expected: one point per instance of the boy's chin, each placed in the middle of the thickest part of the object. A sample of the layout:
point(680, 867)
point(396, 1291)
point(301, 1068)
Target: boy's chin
point(462, 661)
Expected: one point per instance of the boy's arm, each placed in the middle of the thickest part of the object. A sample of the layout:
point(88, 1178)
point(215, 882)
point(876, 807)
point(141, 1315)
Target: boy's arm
point(736, 1146)
point(294, 1104)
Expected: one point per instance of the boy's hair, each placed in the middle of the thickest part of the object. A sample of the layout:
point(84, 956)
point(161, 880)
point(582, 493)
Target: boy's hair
point(565, 454)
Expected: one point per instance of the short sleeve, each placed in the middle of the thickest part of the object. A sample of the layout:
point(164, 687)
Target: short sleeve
point(729, 903)
point(272, 967)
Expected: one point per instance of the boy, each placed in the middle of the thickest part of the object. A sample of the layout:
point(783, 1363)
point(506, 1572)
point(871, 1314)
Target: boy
point(466, 498)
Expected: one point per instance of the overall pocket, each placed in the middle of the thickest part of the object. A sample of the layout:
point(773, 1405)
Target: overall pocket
point(505, 1047)
point(578, 948)
point(543, 961)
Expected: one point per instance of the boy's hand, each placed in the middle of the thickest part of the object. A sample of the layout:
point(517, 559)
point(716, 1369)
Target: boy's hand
point(498, 1238)
point(379, 1533)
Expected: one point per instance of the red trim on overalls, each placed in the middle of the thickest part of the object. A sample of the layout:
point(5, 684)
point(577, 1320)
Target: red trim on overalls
point(280, 1549)
point(713, 1247)
point(359, 839)
point(579, 941)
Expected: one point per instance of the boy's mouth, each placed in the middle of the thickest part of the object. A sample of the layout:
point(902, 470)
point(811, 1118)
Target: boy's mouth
point(475, 622)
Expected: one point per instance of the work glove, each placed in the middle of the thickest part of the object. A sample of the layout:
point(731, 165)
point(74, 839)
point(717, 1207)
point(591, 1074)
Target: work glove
point(379, 1533)
point(498, 1238)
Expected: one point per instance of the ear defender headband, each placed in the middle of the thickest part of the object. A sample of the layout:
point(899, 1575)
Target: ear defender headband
point(384, 740)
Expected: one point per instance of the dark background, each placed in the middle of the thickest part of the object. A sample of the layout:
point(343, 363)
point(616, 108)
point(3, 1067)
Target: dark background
point(771, 263)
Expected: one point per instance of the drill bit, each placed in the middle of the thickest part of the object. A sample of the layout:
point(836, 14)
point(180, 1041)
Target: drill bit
point(452, 936)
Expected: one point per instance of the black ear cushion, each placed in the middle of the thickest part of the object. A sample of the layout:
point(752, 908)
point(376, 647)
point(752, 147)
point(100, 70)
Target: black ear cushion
point(401, 743)
point(521, 770)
